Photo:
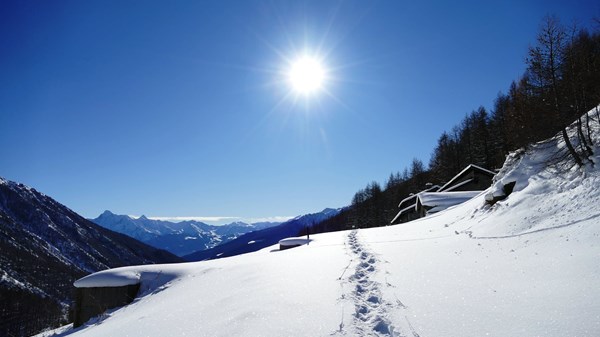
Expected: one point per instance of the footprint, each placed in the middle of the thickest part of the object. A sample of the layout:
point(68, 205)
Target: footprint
point(382, 326)
point(373, 299)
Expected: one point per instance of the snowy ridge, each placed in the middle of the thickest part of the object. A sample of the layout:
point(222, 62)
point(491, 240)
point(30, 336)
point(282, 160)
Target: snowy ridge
point(179, 238)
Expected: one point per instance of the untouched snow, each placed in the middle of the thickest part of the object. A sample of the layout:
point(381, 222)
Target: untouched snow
point(526, 266)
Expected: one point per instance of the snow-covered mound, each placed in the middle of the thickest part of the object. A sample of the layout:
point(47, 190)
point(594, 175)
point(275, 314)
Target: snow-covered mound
point(150, 276)
point(525, 266)
point(547, 193)
point(296, 241)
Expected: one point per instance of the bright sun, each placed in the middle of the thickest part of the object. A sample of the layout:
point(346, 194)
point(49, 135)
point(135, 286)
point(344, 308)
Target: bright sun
point(306, 75)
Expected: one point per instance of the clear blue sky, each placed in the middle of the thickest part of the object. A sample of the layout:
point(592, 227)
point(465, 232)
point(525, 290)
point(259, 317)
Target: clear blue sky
point(178, 108)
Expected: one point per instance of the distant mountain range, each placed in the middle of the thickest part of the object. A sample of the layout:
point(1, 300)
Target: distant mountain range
point(180, 238)
point(44, 248)
point(260, 239)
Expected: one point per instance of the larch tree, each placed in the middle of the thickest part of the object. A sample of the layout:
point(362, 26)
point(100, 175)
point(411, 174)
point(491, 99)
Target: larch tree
point(545, 67)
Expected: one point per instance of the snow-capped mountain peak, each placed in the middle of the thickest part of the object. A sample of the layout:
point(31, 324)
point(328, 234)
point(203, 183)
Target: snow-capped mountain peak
point(180, 238)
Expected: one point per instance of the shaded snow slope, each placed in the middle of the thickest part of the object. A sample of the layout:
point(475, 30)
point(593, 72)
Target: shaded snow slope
point(526, 266)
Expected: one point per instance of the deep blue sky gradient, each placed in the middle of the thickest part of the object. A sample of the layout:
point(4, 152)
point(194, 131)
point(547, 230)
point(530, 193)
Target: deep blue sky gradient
point(179, 108)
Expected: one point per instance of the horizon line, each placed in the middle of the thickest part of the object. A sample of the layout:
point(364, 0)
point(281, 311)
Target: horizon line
point(216, 219)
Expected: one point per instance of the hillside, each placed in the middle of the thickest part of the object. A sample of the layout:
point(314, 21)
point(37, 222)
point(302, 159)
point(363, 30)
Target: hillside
point(260, 239)
point(179, 238)
point(45, 247)
point(524, 266)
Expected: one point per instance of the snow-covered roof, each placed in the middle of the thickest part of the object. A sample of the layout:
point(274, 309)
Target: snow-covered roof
point(413, 203)
point(456, 177)
point(294, 241)
point(438, 201)
point(115, 278)
point(124, 276)
point(443, 200)
point(430, 189)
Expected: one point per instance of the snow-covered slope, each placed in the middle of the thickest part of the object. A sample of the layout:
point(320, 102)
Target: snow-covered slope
point(179, 238)
point(525, 266)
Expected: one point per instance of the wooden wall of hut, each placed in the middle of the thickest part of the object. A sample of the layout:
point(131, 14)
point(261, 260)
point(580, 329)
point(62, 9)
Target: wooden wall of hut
point(91, 302)
point(284, 247)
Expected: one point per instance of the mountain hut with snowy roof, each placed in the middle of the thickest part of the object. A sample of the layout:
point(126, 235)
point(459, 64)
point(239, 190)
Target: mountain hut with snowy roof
point(465, 185)
point(408, 207)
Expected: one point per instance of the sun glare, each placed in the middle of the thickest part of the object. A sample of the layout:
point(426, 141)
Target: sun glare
point(306, 75)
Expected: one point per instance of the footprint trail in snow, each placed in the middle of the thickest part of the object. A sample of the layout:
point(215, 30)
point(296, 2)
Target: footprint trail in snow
point(371, 311)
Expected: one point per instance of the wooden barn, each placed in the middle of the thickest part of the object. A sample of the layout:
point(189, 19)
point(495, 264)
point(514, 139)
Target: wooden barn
point(408, 207)
point(462, 187)
point(93, 301)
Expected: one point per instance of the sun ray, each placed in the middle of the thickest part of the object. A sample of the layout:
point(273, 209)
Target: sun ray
point(305, 73)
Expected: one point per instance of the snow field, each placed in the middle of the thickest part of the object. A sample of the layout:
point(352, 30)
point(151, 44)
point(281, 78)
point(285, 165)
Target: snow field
point(267, 293)
point(416, 279)
point(542, 285)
